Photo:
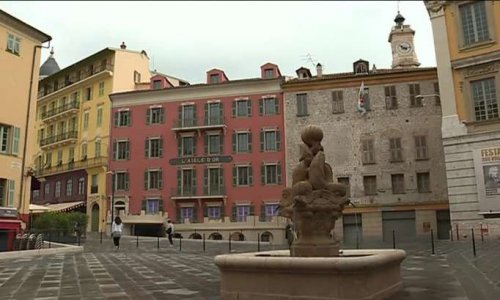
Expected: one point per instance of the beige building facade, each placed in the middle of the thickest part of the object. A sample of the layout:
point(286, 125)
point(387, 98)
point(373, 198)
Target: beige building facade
point(20, 56)
point(466, 41)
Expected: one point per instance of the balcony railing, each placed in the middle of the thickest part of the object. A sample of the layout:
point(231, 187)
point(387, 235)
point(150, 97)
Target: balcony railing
point(58, 138)
point(78, 76)
point(191, 192)
point(191, 123)
point(83, 164)
point(94, 189)
point(185, 123)
point(74, 105)
point(214, 121)
point(214, 190)
point(183, 192)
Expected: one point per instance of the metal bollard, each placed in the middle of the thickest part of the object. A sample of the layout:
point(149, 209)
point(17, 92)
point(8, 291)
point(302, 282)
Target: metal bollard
point(482, 235)
point(451, 233)
point(180, 244)
point(137, 241)
point(203, 242)
point(258, 242)
point(78, 238)
point(49, 241)
point(158, 242)
point(100, 238)
point(456, 229)
point(357, 240)
point(393, 239)
point(432, 241)
point(230, 243)
point(473, 243)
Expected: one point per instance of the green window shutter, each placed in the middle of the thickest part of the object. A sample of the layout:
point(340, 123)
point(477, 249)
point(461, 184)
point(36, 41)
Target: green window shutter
point(162, 115)
point(161, 147)
point(277, 106)
point(234, 142)
point(195, 214)
point(146, 148)
point(233, 213)
point(221, 177)
point(221, 110)
point(250, 175)
point(262, 174)
point(261, 140)
point(127, 179)
point(15, 140)
point(222, 211)
point(249, 135)
point(205, 177)
point(146, 180)
point(249, 106)
point(194, 112)
point(261, 107)
point(144, 205)
point(148, 116)
point(116, 118)
point(221, 144)
point(252, 210)
point(129, 118)
point(179, 179)
point(234, 108)
point(127, 152)
point(114, 149)
point(179, 110)
point(193, 180)
point(278, 140)
point(205, 211)
point(278, 172)
point(206, 114)
point(178, 215)
point(160, 204)
point(262, 212)
point(179, 146)
point(160, 179)
point(11, 192)
point(235, 175)
point(194, 145)
point(206, 143)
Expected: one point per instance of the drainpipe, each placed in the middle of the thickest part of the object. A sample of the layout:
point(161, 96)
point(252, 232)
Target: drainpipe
point(23, 159)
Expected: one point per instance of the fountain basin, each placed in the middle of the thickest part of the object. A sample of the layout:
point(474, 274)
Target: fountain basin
point(274, 275)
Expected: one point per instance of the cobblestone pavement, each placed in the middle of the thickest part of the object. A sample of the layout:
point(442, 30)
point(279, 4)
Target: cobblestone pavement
point(146, 272)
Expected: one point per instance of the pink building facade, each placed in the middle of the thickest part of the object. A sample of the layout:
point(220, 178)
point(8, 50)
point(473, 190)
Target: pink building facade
point(209, 156)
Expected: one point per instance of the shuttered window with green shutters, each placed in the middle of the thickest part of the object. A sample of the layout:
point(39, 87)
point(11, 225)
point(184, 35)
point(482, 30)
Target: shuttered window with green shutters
point(270, 174)
point(153, 147)
point(11, 193)
point(242, 142)
point(153, 179)
point(242, 108)
point(242, 175)
point(269, 106)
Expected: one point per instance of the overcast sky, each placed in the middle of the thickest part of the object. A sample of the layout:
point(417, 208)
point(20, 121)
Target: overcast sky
point(186, 39)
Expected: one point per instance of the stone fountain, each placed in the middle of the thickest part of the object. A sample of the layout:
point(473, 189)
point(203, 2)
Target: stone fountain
point(315, 267)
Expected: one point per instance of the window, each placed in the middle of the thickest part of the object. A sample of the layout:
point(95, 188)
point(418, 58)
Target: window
point(46, 188)
point(213, 181)
point(152, 206)
point(153, 179)
point(370, 185)
point(214, 78)
point(7, 192)
point(213, 212)
point(395, 149)
point(436, 91)
point(121, 181)
point(72, 124)
point(242, 108)
point(337, 102)
point(302, 105)
point(361, 68)
point(242, 176)
point(123, 118)
point(155, 115)
point(368, 151)
point(69, 187)
point(59, 157)
point(188, 115)
point(187, 146)
point(213, 144)
point(421, 147)
point(270, 210)
point(242, 212)
point(94, 184)
point(99, 116)
point(391, 102)
point(71, 156)
point(474, 23)
point(154, 147)
point(271, 174)
point(423, 182)
point(101, 88)
point(137, 77)
point(9, 139)
point(88, 93)
point(57, 192)
point(398, 183)
point(186, 182)
point(13, 44)
point(86, 117)
point(269, 106)
point(81, 186)
point(75, 97)
point(242, 142)
point(187, 213)
point(485, 99)
point(270, 140)
point(84, 151)
point(414, 90)
point(268, 73)
point(36, 194)
point(366, 98)
point(157, 84)
point(122, 150)
point(97, 148)
point(48, 159)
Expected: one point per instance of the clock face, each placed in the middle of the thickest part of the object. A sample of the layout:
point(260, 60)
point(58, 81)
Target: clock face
point(404, 47)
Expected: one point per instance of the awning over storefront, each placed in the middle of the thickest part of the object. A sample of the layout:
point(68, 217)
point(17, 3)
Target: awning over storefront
point(56, 207)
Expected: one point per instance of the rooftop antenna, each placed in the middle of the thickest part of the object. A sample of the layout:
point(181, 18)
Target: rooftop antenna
point(308, 57)
point(398, 6)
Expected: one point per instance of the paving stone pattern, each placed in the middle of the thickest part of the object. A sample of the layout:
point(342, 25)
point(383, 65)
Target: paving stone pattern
point(146, 272)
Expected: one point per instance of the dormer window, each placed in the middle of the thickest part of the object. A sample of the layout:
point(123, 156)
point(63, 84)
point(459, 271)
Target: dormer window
point(157, 84)
point(269, 73)
point(214, 78)
point(361, 67)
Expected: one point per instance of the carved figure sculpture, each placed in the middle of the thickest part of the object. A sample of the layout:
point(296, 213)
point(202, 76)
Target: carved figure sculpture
point(314, 202)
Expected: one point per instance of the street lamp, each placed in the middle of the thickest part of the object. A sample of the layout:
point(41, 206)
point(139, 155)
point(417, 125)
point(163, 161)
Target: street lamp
point(112, 195)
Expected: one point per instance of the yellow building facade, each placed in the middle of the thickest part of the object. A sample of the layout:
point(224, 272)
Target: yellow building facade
point(21, 46)
point(467, 46)
point(73, 122)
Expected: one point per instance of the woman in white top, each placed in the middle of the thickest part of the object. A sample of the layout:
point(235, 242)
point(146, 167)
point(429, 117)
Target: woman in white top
point(116, 231)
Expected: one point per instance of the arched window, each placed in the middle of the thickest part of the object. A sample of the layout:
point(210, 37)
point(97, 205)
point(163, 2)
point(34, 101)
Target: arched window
point(57, 192)
point(69, 187)
point(81, 186)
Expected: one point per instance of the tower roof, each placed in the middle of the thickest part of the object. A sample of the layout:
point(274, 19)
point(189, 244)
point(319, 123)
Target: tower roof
point(50, 66)
point(399, 19)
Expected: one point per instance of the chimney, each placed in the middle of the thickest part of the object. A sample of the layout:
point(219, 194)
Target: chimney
point(123, 46)
point(319, 70)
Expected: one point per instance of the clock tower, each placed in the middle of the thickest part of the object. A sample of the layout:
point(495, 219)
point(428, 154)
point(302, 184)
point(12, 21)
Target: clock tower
point(403, 48)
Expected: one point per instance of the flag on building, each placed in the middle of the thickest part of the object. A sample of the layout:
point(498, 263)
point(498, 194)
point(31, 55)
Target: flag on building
point(361, 99)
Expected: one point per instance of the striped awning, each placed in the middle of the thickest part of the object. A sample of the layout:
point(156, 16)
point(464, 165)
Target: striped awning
point(58, 207)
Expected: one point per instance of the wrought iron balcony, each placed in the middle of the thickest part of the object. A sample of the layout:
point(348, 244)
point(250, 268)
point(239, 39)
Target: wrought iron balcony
point(63, 137)
point(193, 124)
point(218, 190)
point(214, 121)
point(183, 192)
point(72, 165)
point(71, 107)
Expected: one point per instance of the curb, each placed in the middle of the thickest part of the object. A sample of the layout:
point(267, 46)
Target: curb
point(62, 248)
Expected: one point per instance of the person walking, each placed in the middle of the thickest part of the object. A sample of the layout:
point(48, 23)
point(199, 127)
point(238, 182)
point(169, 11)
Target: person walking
point(170, 232)
point(116, 231)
